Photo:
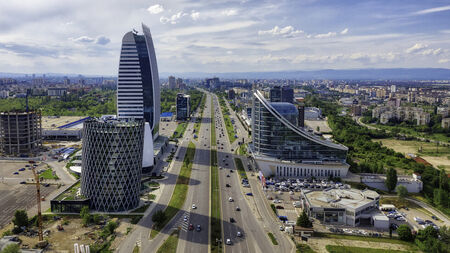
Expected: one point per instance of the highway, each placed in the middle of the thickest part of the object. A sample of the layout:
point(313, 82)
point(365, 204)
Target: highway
point(197, 241)
point(254, 237)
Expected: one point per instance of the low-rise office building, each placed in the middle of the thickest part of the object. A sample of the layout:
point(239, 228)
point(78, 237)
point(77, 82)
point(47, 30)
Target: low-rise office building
point(349, 207)
point(183, 107)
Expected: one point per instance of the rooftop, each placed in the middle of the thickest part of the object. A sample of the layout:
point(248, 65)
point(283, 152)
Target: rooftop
point(53, 122)
point(340, 198)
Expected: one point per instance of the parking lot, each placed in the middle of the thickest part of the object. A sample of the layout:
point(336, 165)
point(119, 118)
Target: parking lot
point(13, 194)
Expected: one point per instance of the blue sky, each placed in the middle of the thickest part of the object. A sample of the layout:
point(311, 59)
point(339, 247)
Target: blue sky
point(225, 36)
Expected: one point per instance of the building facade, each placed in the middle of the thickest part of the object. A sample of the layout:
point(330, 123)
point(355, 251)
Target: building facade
point(183, 106)
point(138, 89)
point(20, 133)
point(281, 94)
point(111, 164)
point(282, 149)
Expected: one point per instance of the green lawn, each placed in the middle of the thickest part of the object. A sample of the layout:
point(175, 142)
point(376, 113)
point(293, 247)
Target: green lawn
point(348, 249)
point(226, 117)
point(141, 209)
point(272, 238)
point(48, 174)
point(242, 150)
point(169, 245)
point(240, 167)
point(181, 188)
point(304, 248)
point(366, 238)
point(413, 132)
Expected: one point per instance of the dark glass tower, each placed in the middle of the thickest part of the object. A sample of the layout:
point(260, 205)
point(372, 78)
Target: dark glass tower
point(138, 90)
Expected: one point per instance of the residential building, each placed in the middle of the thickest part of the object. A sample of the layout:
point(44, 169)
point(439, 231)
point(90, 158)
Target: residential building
point(445, 123)
point(20, 133)
point(282, 149)
point(4, 93)
point(172, 82)
point(112, 164)
point(385, 113)
point(56, 92)
point(138, 89)
point(281, 94)
point(183, 106)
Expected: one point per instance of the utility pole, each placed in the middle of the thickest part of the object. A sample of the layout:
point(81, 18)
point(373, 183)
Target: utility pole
point(38, 196)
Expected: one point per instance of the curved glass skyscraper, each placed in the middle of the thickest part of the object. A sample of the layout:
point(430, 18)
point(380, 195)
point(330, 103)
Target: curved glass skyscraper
point(281, 144)
point(138, 90)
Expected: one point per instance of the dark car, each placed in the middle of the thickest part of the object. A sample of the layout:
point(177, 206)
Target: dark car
point(23, 182)
point(434, 217)
point(279, 207)
point(232, 220)
point(228, 175)
point(394, 226)
point(199, 228)
point(16, 173)
point(249, 194)
point(191, 227)
point(228, 185)
point(22, 169)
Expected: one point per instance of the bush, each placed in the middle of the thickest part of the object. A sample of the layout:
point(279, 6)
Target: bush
point(20, 218)
point(303, 220)
point(404, 233)
point(11, 248)
point(7, 233)
point(402, 192)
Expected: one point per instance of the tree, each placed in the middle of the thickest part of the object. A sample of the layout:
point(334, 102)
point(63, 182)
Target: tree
point(404, 233)
point(391, 179)
point(402, 192)
point(303, 220)
point(11, 248)
point(159, 217)
point(85, 215)
point(20, 218)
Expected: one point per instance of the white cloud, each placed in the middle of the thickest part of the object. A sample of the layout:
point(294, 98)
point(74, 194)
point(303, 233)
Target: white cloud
point(191, 30)
point(416, 48)
point(432, 10)
point(345, 31)
point(325, 35)
point(230, 12)
point(84, 39)
point(155, 9)
point(195, 15)
point(287, 31)
point(173, 19)
point(431, 51)
point(444, 60)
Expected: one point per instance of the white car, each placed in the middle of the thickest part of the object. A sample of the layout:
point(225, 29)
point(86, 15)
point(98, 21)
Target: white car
point(228, 241)
point(194, 206)
point(230, 199)
point(281, 228)
point(185, 218)
point(239, 234)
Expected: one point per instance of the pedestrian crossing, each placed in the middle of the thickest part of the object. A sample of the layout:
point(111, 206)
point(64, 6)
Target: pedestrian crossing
point(181, 224)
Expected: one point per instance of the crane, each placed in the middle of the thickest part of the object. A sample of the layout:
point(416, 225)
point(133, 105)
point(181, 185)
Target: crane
point(38, 195)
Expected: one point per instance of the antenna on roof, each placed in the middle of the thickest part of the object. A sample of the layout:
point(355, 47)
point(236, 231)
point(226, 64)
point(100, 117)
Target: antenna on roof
point(134, 31)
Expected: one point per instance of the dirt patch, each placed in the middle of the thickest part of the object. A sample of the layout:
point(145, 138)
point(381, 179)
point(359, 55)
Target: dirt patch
point(319, 244)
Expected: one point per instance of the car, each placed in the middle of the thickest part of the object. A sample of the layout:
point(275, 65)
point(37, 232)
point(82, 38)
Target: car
point(23, 182)
point(231, 171)
point(228, 185)
point(239, 234)
point(226, 156)
point(230, 199)
point(226, 164)
point(199, 228)
point(434, 217)
point(185, 218)
point(16, 173)
point(228, 241)
point(194, 206)
point(238, 209)
point(46, 185)
point(279, 207)
point(232, 220)
point(22, 169)
point(394, 226)
point(281, 228)
point(249, 194)
point(228, 175)
point(191, 227)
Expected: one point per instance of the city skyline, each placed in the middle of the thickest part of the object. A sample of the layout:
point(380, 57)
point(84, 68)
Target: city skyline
point(226, 36)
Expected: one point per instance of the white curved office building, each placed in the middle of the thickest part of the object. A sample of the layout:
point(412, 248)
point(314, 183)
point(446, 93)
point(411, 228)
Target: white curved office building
point(138, 89)
point(282, 149)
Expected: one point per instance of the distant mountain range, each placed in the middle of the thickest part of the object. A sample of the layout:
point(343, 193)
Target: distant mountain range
point(333, 74)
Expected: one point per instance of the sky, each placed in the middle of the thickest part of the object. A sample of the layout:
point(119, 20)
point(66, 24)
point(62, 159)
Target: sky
point(84, 37)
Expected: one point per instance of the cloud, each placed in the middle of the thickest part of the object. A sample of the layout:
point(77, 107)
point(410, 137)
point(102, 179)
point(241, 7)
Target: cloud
point(195, 15)
point(416, 48)
point(345, 31)
point(28, 51)
point(230, 12)
point(432, 10)
point(84, 39)
point(222, 27)
point(444, 60)
point(155, 9)
point(287, 31)
point(325, 35)
point(173, 19)
point(102, 40)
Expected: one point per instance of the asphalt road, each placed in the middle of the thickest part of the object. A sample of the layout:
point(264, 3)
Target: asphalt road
point(254, 237)
point(198, 194)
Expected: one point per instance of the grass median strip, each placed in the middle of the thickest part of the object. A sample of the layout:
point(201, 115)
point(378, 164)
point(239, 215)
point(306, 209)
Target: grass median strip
point(366, 238)
point(216, 225)
point(348, 249)
point(226, 117)
point(240, 167)
point(272, 238)
point(179, 193)
point(169, 245)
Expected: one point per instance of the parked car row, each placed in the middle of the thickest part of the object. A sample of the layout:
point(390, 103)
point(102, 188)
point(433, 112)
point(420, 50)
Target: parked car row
point(299, 184)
